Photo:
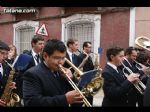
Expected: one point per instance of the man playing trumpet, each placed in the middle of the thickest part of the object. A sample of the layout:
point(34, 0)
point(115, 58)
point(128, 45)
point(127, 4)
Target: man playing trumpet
point(116, 86)
point(130, 61)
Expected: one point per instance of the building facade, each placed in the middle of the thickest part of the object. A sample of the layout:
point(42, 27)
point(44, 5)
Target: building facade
point(103, 26)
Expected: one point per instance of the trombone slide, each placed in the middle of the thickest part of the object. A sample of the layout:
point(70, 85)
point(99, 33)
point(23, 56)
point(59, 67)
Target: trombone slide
point(75, 87)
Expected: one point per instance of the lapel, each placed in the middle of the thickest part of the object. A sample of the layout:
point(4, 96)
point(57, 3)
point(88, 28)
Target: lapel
point(51, 76)
point(118, 77)
point(30, 53)
point(67, 56)
point(5, 73)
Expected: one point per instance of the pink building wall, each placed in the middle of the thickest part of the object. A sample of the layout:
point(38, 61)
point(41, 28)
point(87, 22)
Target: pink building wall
point(114, 32)
point(142, 21)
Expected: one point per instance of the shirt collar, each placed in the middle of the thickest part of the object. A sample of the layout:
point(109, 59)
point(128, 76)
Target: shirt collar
point(112, 65)
point(69, 53)
point(127, 61)
point(34, 53)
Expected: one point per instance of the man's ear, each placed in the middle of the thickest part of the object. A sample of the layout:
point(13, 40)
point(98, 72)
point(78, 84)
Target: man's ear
point(32, 44)
point(111, 56)
point(45, 55)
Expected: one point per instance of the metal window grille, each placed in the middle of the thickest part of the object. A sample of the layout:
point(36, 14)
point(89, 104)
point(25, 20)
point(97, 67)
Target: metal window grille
point(23, 40)
point(82, 32)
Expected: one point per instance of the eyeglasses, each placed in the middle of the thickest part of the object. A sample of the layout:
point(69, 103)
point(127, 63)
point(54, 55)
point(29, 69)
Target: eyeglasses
point(58, 58)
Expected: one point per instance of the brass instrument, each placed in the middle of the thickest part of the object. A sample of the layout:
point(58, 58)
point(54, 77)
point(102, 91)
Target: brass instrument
point(148, 63)
point(84, 60)
point(140, 66)
point(86, 102)
point(143, 42)
point(80, 67)
point(8, 96)
point(96, 63)
point(139, 84)
point(95, 84)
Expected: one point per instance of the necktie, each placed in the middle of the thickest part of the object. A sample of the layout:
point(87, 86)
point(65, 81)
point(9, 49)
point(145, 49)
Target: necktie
point(120, 72)
point(56, 74)
point(37, 58)
point(73, 58)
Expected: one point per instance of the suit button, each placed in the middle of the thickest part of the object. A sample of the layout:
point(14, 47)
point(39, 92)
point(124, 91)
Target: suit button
point(1, 87)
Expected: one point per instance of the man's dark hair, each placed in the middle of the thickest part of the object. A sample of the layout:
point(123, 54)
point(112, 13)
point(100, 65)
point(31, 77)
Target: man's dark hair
point(4, 46)
point(113, 51)
point(36, 38)
point(143, 57)
point(52, 45)
point(85, 44)
point(129, 50)
point(71, 41)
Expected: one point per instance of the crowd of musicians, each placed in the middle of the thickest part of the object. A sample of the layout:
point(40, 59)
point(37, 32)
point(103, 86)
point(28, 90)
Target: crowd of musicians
point(42, 83)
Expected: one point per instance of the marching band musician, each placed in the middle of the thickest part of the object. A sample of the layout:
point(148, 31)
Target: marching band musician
point(72, 47)
point(88, 64)
point(130, 56)
point(44, 85)
point(146, 99)
point(116, 85)
point(87, 49)
point(4, 70)
point(37, 44)
point(143, 59)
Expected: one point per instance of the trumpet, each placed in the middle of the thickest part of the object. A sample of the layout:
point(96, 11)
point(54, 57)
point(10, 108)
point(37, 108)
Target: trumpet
point(86, 102)
point(142, 67)
point(139, 85)
point(139, 66)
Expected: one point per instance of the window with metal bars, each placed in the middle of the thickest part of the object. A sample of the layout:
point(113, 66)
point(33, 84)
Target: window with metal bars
point(83, 31)
point(23, 40)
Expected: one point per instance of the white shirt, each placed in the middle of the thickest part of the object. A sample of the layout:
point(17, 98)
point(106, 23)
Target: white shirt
point(1, 69)
point(34, 57)
point(70, 54)
point(113, 66)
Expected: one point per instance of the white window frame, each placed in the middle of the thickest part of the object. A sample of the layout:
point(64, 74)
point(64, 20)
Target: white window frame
point(132, 27)
point(23, 24)
point(96, 19)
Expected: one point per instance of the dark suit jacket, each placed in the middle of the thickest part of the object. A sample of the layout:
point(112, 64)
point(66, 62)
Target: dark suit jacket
point(134, 95)
point(76, 61)
point(6, 70)
point(41, 88)
point(143, 77)
point(115, 87)
point(31, 63)
point(88, 64)
point(68, 66)
point(146, 100)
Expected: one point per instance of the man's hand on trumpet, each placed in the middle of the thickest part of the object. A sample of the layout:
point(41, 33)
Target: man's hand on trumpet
point(146, 70)
point(133, 77)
